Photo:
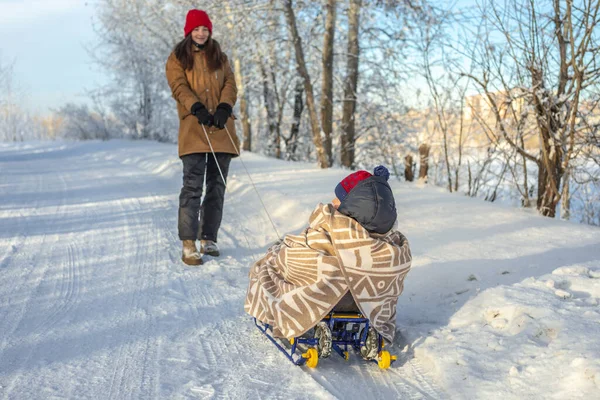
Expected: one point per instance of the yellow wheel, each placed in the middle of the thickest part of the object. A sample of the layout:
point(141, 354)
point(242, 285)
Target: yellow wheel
point(292, 341)
point(384, 360)
point(312, 357)
point(346, 356)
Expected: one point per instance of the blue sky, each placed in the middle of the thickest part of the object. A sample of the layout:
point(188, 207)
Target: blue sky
point(45, 39)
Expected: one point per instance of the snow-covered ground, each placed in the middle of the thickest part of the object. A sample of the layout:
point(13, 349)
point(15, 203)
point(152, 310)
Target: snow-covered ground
point(95, 304)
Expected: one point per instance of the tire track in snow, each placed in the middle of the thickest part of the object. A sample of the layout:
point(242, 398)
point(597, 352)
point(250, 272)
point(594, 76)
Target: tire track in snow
point(11, 250)
point(18, 236)
point(11, 256)
point(68, 290)
point(193, 308)
point(429, 385)
point(128, 374)
point(137, 366)
point(31, 338)
point(151, 367)
point(339, 378)
point(228, 363)
point(405, 384)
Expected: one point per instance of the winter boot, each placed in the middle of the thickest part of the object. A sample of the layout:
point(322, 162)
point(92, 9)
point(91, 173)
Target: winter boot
point(210, 248)
point(370, 349)
point(191, 255)
point(323, 334)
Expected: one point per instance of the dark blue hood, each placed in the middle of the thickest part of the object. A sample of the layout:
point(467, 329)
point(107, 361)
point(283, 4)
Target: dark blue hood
point(372, 204)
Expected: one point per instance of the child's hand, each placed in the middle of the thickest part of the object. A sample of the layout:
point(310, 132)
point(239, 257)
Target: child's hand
point(336, 203)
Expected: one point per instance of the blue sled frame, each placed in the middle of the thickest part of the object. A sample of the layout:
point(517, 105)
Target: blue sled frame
point(348, 331)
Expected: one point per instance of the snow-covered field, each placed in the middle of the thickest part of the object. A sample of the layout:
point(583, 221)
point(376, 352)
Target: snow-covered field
point(95, 304)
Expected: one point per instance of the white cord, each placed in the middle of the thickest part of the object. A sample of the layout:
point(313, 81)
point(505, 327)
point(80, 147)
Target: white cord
point(222, 177)
point(252, 182)
point(249, 177)
point(215, 156)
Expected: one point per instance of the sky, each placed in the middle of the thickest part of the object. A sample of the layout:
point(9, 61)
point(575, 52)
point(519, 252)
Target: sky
point(46, 40)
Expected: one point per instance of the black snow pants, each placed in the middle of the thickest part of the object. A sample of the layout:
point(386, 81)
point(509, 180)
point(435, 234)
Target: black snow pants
point(197, 167)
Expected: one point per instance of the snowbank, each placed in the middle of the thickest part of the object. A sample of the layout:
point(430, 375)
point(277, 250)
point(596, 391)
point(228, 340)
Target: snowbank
point(537, 338)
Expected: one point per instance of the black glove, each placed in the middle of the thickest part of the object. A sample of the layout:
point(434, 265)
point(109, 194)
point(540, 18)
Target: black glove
point(202, 114)
point(222, 114)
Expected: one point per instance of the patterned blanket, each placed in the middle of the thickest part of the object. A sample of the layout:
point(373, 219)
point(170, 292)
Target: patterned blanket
point(302, 277)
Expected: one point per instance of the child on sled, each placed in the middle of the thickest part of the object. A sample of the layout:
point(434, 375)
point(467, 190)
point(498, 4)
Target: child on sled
point(349, 258)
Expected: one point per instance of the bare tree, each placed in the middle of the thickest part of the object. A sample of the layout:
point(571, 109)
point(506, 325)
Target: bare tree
point(241, 84)
point(423, 162)
point(308, 88)
point(435, 62)
point(350, 85)
point(327, 82)
point(291, 143)
point(15, 124)
point(536, 63)
point(246, 127)
point(133, 50)
point(409, 168)
point(82, 123)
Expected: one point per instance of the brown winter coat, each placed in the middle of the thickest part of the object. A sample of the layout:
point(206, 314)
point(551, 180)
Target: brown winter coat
point(209, 88)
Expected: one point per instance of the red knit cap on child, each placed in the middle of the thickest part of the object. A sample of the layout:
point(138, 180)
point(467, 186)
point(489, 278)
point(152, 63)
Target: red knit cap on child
point(196, 18)
point(349, 182)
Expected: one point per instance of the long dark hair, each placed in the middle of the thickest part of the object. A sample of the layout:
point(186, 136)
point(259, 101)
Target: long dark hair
point(215, 58)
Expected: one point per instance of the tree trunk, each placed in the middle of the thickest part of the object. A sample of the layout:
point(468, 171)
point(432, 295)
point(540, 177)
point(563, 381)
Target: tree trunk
point(446, 157)
point(239, 81)
point(526, 201)
point(469, 178)
point(423, 162)
point(292, 142)
point(270, 67)
point(327, 87)
point(565, 205)
point(247, 145)
point(548, 177)
point(409, 171)
point(351, 84)
point(549, 167)
point(145, 110)
point(460, 141)
point(269, 103)
point(310, 99)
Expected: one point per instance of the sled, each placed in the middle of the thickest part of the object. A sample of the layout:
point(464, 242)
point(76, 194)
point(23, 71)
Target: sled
point(349, 331)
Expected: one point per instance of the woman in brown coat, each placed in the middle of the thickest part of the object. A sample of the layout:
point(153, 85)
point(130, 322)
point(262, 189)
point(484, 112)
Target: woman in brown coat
point(203, 85)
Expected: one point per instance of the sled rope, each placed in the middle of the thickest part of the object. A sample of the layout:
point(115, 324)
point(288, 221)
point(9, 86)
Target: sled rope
point(225, 182)
point(247, 173)
point(215, 156)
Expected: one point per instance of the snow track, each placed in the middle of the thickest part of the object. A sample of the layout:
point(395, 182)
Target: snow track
point(96, 304)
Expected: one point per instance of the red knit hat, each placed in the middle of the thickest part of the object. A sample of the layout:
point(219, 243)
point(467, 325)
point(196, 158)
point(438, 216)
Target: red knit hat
point(196, 18)
point(348, 183)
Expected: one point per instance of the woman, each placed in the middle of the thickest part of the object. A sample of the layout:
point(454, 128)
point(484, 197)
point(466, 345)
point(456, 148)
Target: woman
point(203, 85)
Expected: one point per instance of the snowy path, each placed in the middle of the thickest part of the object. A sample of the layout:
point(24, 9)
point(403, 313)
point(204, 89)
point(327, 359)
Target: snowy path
point(94, 302)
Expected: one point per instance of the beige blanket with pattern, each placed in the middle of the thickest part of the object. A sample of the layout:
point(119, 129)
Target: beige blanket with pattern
point(303, 277)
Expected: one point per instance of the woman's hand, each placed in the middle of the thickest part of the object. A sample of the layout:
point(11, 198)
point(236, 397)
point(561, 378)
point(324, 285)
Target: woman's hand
point(204, 117)
point(222, 115)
